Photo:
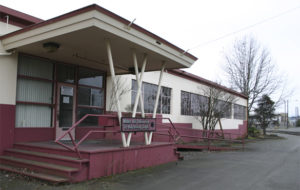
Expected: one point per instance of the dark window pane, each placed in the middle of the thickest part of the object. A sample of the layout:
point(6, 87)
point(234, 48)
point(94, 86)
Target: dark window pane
point(223, 109)
point(90, 97)
point(204, 105)
point(149, 96)
point(195, 104)
point(65, 73)
point(185, 103)
point(90, 77)
point(89, 121)
point(239, 112)
point(165, 100)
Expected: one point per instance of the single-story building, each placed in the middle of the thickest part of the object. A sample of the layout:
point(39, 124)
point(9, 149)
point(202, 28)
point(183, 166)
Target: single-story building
point(59, 78)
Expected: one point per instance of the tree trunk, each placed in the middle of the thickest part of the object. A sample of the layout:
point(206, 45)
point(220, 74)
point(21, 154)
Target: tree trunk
point(264, 131)
point(221, 128)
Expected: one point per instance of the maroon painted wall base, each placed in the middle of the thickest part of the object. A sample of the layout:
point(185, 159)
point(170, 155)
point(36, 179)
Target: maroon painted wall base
point(33, 134)
point(7, 126)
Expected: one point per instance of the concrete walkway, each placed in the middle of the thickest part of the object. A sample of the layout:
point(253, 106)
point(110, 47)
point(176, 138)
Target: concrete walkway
point(264, 165)
point(291, 130)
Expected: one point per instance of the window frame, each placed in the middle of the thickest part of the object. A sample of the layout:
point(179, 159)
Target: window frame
point(159, 106)
point(236, 113)
point(33, 78)
point(189, 109)
point(54, 82)
point(103, 74)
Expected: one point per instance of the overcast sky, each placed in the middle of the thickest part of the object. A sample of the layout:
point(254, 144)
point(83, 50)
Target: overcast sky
point(191, 23)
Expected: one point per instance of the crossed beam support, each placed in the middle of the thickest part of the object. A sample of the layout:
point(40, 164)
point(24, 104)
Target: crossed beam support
point(149, 139)
point(139, 79)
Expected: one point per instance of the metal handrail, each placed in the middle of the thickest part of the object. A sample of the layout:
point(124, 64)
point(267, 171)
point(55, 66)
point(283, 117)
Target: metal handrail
point(68, 132)
point(170, 132)
point(207, 137)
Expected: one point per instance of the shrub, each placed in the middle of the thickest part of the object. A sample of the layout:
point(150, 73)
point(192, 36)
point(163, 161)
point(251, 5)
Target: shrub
point(298, 123)
point(252, 131)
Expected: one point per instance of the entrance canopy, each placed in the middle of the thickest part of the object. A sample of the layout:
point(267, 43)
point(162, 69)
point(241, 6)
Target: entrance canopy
point(79, 37)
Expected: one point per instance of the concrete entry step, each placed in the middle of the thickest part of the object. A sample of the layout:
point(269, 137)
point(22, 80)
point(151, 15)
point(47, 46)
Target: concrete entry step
point(32, 163)
point(42, 176)
point(47, 155)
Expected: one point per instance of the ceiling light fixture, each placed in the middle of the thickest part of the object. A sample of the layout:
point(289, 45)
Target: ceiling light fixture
point(51, 47)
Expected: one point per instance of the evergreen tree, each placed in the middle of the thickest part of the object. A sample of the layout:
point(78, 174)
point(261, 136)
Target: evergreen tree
point(265, 112)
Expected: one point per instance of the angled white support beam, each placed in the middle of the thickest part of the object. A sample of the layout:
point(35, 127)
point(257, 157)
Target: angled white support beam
point(157, 98)
point(138, 97)
point(113, 77)
point(139, 83)
point(139, 80)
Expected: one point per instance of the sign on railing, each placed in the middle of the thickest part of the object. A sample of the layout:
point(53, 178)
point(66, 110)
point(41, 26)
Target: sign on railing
point(129, 124)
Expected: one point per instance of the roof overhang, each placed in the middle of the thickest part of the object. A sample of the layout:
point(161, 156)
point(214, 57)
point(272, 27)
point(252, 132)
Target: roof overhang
point(82, 34)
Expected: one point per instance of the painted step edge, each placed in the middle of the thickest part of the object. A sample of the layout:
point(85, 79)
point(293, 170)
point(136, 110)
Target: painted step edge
point(42, 176)
point(39, 164)
point(47, 155)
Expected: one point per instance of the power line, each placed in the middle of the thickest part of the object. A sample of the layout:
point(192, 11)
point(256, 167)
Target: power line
point(244, 28)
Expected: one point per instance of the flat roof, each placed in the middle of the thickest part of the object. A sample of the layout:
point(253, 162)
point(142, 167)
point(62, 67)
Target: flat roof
point(17, 18)
point(40, 23)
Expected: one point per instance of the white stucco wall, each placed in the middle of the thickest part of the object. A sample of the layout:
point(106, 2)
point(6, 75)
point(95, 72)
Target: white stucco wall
point(8, 78)
point(177, 84)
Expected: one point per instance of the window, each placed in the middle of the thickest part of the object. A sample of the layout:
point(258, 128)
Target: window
point(193, 104)
point(90, 95)
point(224, 109)
point(149, 96)
point(196, 105)
point(34, 92)
point(239, 112)
point(185, 103)
point(90, 77)
point(65, 73)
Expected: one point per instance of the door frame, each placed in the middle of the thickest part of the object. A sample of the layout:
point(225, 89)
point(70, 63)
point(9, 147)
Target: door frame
point(59, 131)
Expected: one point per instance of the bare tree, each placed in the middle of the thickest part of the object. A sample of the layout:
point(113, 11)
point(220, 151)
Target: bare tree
point(251, 71)
point(211, 107)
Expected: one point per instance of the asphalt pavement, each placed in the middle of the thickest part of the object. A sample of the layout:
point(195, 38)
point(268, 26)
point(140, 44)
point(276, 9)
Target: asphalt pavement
point(263, 165)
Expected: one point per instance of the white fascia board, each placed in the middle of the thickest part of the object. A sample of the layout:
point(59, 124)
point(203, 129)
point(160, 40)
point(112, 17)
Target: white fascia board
point(103, 22)
point(50, 30)
point(119, 29)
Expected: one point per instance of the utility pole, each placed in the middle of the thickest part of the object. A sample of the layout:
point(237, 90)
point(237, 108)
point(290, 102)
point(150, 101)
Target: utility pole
point(287, 114)
point(284, 115)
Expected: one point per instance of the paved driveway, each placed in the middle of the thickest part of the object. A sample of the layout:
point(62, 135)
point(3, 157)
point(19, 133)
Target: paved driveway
point(264, 165)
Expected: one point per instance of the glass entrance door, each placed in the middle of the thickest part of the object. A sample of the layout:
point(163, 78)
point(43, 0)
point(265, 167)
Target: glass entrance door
point(65, 111)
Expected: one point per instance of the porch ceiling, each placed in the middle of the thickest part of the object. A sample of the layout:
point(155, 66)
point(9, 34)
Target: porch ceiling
point(82, 41)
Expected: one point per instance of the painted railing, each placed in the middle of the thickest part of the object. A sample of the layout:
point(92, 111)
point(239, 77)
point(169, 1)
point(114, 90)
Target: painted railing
point(76, 144)
point(172, 132)
point(203, 135)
